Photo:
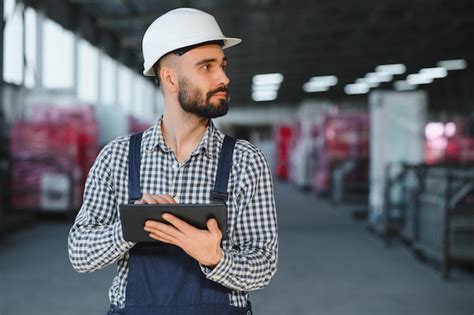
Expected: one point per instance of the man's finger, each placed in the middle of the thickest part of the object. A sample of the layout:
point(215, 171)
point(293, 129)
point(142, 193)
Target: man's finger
point(213, 227)
point(163, 237)
point(178, 223)
point(169, 198)
point(161, 199)
point(157, 199)
point(147, 198)
point(154, 226)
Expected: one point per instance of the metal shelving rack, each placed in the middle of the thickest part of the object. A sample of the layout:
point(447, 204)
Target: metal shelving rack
point(433, 212)
point(445, 227)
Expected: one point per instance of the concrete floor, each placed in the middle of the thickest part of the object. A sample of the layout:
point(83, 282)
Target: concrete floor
point(328, 264)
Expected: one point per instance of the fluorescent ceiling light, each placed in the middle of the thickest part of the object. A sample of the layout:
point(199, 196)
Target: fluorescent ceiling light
point(264, 96)
point(379, 76)
point(370, 82)
point(419, 78)
point(265, 93)
point(358, 88)
point(258, 98)
point(435, 73)
point(329, 80)
point(455, 64)
point(266, 87)
point(403, 86)
point(396, 68)
point(384, 76)
point(269, 78)
point(310, 87)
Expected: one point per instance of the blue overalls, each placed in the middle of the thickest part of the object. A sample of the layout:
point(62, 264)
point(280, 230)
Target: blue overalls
point(162, 278)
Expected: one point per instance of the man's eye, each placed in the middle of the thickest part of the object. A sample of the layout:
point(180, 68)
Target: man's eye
point(205, 67)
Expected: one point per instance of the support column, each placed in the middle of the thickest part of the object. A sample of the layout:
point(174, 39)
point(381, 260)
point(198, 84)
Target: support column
point(116, 83)
point(100, 92)
point(2, 112)
point(23, 43)
point(3, 151)
point(133, 91)
point(75, 64)
point(39, 49)
point(1, 59)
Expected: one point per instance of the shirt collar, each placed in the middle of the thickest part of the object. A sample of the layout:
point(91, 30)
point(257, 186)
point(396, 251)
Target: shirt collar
point(153, 139)
point(207, 142)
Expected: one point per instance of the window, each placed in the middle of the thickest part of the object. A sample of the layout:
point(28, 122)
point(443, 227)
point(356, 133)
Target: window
point(108, 77)
point(125, 87)
point(57, 56)
point(13, 44)
point(87, 85)
point(30, 48)
point(138, 97)
point(159, 102)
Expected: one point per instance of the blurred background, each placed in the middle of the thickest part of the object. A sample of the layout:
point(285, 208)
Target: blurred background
point(364, 109)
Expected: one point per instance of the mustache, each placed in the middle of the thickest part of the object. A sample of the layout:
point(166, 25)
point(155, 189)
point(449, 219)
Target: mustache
point(219, 89)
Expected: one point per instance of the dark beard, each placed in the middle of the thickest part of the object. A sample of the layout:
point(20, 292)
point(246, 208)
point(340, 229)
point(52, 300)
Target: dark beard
point(192, 101)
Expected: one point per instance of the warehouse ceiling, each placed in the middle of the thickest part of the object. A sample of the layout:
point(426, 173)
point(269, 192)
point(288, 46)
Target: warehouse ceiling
point(301, 39)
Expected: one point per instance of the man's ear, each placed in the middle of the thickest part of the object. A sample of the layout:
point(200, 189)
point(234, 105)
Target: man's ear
point(168, 79)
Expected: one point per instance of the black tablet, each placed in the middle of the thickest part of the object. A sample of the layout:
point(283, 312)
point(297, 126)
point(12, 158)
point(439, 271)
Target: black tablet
point(133, 217)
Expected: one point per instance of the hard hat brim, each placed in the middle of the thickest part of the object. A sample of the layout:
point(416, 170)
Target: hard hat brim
point(228, 42)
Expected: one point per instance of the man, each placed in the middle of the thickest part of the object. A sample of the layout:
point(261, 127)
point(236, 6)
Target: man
point(190, 271)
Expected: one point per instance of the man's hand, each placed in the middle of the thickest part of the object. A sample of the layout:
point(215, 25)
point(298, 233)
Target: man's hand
point(202, 245)
point(154, 199)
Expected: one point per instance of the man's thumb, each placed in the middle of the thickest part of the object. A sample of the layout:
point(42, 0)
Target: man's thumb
point(212, 226)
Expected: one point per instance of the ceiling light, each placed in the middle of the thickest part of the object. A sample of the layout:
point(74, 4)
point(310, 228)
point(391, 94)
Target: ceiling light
point(419, 78)
point(329, 80)
point(454, 64)
point(310, 87)
point(371, 82)
point(264, 96)
point(266, 87)
point(379, 76)
point(357, 88)
point(435, 73)
point(269, 78)
point(393, 69)
point(403, 86)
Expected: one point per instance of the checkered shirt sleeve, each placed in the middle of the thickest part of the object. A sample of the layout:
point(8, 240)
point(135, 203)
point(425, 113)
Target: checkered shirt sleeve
point(252, 259)
point(96, 240)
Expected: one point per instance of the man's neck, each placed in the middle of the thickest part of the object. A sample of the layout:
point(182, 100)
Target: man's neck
point(182, 132)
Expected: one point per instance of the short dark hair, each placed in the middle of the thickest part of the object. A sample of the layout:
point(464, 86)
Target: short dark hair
point(181, 51)
point(156, 71)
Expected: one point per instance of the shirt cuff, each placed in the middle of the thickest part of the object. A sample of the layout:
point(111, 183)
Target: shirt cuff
point(220, 270)
point(119, 240)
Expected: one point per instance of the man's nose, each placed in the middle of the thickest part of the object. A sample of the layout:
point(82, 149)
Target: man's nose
point(223, 79)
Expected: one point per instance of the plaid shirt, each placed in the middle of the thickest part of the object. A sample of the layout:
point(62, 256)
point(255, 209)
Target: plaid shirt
point(249, 255)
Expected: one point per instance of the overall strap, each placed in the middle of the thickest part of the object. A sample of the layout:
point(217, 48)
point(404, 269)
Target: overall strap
point(219, 193)
point(134, 159)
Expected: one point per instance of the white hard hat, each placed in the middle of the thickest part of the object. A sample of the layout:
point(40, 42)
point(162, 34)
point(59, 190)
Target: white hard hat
point(180, 28)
